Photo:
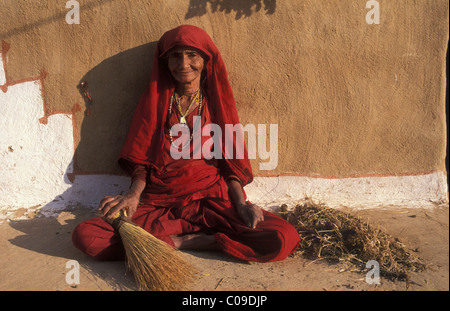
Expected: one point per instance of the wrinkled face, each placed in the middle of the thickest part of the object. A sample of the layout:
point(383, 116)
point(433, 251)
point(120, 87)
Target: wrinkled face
point(185, 64)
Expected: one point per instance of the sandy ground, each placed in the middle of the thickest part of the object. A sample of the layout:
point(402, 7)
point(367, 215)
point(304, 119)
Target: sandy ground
point(35, 251)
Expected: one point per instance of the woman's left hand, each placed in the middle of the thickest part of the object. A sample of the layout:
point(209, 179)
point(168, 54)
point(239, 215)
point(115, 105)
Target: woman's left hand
point(251, 214)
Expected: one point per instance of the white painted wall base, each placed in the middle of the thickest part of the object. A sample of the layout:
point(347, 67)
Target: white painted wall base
point(34, 157)
point(361, 192)
point(86, 191)
point(421, 191)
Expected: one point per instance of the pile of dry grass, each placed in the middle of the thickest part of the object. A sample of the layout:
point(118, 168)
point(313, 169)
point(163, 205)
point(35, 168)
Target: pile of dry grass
point(334, 235)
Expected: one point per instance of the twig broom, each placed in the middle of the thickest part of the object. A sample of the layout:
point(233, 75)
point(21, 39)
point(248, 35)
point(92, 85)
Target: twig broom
point(155, 264)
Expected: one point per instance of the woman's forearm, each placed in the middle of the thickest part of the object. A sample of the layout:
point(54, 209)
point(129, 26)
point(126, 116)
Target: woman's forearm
point(137, 187)
point(251, 214)
point(236, 192)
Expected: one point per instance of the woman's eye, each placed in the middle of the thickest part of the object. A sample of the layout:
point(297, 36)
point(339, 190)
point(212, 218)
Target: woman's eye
point(175, 55)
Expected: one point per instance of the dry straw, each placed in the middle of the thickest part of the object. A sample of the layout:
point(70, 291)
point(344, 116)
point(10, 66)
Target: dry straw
point(156, 266)
point(334, 235)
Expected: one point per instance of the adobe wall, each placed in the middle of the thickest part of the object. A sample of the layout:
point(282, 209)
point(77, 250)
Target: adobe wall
point(351, 99)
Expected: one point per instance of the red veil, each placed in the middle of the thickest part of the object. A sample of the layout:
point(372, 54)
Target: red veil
point(144, 142)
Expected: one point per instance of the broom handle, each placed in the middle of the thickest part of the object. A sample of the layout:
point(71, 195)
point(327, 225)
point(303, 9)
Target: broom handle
point(118, 220)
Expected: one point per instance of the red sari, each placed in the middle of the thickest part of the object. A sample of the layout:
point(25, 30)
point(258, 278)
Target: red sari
point(186, 196)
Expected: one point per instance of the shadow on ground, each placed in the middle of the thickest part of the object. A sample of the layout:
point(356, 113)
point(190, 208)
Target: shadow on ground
point(52, 236)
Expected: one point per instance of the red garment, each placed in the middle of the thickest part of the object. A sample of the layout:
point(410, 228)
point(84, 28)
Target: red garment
point(272, 240)
point(145, 138)
point(187, 195)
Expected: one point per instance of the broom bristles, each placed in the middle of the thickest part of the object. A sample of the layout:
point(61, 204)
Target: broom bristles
point(155, 264)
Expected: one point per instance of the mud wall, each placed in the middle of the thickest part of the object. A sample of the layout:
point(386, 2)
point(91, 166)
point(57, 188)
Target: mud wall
point(357, 88)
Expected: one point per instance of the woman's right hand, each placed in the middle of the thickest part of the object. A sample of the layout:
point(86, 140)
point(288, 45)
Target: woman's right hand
point(110, 205)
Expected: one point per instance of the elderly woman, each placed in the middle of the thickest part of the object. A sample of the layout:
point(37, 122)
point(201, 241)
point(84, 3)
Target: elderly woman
point(194, 202)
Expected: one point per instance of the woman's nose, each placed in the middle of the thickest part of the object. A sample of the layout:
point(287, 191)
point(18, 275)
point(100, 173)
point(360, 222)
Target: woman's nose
point(185, 62)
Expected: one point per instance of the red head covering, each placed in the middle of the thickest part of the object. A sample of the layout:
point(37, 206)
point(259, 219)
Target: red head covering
point(144, 141)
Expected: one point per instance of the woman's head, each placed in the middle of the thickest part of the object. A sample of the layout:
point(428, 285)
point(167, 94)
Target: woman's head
point(145, 138)
point(195, 45)
point(185, 64)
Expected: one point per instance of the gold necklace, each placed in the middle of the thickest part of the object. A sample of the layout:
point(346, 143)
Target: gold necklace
point(200, 99)
point(178, 102)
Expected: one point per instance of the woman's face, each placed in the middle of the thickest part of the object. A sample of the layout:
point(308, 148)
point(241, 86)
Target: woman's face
point(185, 64)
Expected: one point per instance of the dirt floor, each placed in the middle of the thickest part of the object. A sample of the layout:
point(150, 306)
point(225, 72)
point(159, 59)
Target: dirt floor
point(35, 252)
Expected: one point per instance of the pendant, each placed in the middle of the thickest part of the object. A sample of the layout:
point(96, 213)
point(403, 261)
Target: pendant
point(183, 121)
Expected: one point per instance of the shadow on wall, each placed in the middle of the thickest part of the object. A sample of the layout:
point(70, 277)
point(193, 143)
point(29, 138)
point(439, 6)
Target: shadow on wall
point(242, 8)
point(40, 22)
point(115, 86)
point(196, 8)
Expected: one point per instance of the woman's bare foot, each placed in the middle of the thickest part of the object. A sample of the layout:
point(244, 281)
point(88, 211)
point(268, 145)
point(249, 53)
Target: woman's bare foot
point(196, 241)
